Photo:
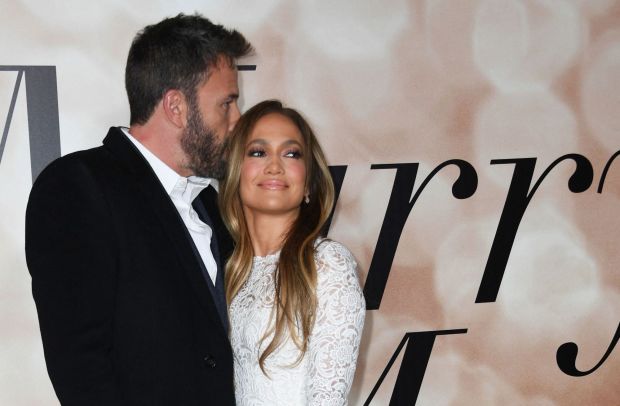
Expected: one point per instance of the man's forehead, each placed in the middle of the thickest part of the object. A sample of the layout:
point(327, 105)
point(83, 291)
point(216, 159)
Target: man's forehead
point(224, 74)
point(223, 64)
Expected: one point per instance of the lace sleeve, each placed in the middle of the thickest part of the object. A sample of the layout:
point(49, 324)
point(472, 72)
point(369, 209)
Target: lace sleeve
point(335, 339)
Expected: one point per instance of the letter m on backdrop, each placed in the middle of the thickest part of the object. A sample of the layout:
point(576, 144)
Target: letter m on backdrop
point(42, 107)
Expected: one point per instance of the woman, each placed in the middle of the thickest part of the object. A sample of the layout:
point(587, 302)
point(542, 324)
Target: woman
point(296, 307)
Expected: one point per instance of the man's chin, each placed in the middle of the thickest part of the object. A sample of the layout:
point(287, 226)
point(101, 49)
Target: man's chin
point(214, 173)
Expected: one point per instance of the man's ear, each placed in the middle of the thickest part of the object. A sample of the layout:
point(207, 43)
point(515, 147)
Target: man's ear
point(175, 107)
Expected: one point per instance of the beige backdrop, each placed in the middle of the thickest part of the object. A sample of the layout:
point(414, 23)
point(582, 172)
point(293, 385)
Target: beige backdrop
point(388, 82)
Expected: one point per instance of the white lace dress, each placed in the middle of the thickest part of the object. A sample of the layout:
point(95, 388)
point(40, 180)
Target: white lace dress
point(324, 375)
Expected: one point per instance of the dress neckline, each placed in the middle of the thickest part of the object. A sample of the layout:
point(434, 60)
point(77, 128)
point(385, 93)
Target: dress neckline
point(258, 258)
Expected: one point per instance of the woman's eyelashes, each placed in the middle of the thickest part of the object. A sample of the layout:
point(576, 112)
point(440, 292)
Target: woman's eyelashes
point(293, 153)
point(256, 152)
point(260, 152)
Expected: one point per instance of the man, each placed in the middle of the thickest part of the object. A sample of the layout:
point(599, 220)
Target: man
point(126, 262)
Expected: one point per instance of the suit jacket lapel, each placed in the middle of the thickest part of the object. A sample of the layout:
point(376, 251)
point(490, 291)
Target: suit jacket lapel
point(208, 197)
point(217, 286)
point(164, 212)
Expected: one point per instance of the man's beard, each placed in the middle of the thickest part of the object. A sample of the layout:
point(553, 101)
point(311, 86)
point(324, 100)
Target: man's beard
point(205, 155)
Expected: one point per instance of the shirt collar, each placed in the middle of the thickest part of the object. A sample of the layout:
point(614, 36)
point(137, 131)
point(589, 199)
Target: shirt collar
point(166, 175)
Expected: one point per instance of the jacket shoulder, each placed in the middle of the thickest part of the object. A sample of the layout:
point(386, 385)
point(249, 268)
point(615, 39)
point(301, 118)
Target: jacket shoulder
point(75, 165)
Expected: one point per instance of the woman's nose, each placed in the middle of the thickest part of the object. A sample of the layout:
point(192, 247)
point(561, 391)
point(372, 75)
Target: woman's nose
point(274, 166)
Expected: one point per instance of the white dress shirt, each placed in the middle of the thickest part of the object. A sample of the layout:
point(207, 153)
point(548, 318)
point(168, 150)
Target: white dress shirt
point(182, 192)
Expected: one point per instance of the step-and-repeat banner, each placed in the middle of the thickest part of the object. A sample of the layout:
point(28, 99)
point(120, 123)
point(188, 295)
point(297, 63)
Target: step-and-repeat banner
point(474, 146)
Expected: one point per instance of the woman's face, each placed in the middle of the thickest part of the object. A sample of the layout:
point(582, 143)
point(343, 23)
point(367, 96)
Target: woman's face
point(273, 170)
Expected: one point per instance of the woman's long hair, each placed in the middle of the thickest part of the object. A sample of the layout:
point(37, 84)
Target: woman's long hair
point(296, 275)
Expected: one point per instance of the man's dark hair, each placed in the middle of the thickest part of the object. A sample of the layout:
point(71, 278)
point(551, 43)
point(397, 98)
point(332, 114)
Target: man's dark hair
point(176, 53)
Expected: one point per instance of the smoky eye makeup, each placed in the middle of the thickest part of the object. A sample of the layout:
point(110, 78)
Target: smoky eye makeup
point(254, 151)
point(293, 153)
point(259, 148)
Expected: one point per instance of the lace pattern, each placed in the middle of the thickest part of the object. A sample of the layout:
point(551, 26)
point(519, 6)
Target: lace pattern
point(325, 373)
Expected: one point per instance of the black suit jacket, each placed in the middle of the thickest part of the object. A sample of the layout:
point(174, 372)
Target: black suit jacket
point(125, 313)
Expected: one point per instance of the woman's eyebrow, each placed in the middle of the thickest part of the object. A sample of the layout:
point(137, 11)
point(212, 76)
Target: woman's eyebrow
point(261, 141)
point(257, 141)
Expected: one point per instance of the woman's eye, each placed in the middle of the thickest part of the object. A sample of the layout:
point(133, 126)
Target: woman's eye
point(256, 153)
point(293, 154)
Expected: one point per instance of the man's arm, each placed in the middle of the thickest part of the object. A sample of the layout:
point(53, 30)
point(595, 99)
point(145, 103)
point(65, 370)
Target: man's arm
point(71, 255)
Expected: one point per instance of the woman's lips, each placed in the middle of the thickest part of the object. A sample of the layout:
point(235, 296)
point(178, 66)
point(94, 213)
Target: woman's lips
point(273, 184)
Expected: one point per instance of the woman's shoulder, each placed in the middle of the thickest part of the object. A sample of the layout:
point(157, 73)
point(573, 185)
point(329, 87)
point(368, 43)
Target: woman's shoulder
point(334, 254)
point(337, 276)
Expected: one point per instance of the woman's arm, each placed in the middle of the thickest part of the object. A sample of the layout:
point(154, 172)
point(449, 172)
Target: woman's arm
point(334, 342)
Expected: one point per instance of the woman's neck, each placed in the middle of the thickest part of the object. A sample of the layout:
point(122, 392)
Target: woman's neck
point(267, 232)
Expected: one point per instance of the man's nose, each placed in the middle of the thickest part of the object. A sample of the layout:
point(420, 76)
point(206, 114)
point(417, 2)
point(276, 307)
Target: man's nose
point(234, 116)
